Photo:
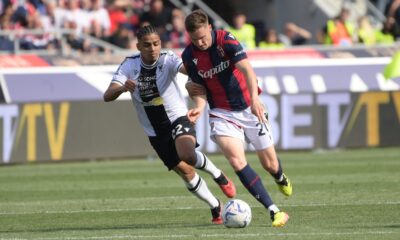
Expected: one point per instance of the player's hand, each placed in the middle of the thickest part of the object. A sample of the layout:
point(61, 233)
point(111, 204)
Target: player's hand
point(194, 89)
point(194, 114)
point(129, 85)
point(258, 109)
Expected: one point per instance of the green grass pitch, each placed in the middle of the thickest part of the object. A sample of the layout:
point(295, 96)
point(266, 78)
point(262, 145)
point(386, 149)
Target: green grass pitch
point(351, 194)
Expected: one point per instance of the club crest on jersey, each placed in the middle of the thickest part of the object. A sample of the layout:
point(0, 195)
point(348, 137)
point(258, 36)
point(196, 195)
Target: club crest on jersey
point(230, 36)
point(160, 68)
point(195, 61)
point(220, 51)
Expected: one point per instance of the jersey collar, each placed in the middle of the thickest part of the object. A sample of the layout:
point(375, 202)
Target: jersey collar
point(149, 66)
point(213, 37)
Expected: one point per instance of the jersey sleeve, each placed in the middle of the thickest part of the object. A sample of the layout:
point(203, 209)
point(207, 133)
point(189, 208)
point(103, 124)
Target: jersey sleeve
point(233, 48)
point(121, 75)
point(174, 62)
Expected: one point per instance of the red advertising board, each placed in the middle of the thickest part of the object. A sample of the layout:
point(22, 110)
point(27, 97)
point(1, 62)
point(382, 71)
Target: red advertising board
point(10, 61)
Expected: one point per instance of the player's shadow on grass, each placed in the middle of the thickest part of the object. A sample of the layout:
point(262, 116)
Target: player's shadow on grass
point(98, 228)
point(392, 226)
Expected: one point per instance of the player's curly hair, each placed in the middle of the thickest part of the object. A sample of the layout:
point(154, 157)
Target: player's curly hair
point(145, 30)
point(195, 20)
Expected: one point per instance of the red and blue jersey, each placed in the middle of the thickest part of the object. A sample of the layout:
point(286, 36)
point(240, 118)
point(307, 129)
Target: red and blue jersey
point(215, 69)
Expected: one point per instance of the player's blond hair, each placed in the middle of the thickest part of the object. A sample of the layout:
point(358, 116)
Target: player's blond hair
point(196, 20)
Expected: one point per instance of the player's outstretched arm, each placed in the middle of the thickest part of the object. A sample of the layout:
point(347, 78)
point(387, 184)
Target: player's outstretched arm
point(198, 95)
point(194, 89)
point(114, 90)
point(257, 108)
point(194, 113)
point(182, 70)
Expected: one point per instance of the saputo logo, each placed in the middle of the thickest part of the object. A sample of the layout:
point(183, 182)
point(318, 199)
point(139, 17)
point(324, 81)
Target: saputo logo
point(215, 70)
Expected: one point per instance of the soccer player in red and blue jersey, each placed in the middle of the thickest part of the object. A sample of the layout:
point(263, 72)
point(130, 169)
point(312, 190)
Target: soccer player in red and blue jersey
point(221, 75)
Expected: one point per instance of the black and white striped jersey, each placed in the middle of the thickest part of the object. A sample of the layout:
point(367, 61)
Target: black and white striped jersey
point(157, 98)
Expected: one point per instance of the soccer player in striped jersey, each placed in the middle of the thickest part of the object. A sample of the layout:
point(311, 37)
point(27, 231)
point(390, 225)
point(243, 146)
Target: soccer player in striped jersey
point(222, 75)
point(150, 77)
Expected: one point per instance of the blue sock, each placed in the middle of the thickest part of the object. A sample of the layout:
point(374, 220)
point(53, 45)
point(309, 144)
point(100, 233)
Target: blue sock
point(278, 175)
point(253, 183)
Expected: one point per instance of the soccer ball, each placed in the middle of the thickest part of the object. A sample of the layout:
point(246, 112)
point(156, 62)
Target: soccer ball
point(236, 214)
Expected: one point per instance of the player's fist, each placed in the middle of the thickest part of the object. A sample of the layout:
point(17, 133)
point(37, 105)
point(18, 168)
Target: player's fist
point(194, 89)
point(130, 85)
point(193, 115)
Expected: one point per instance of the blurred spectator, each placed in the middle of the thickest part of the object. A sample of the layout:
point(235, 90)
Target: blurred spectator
point(386, 36)
point(295, 35)
point(392, 9)
point(47, 15)
point(99, 19)
point(392, 13)
point(76, 18)
point(51, 15)
point(271, 40)
point(339, 31)
point(39, 5)
point(23, 10)
point(57, 10)
point(6, 21)
point(6, 24)
point(158, 16)
point(85, 5)
point(117, 15)
point(177, 37)
point(36, 41)
point(367, 34)
point(371, 35)
point(3, 5)
point(244, 32)
point(124, 37)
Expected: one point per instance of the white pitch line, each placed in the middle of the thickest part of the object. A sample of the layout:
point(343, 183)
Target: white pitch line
point(189, 208)
point(93, 200)
point(230, 235)
point(296, 234)
point(99, 210)
point(145, 199)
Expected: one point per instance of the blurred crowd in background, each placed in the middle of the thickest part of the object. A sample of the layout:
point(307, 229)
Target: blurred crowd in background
point(115, 21)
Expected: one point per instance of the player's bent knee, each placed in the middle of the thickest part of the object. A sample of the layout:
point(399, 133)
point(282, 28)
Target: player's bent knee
point(186, 171)
point(237, 164)
point(188, 156)
point(185, 146)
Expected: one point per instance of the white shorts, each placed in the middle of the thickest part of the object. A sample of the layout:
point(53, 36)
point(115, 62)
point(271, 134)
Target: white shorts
point(242, 125)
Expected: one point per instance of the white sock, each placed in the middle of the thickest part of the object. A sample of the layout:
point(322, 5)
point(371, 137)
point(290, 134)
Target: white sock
point(204, 163)
point(280, 179)
point(199, 188)
point(273, 208)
